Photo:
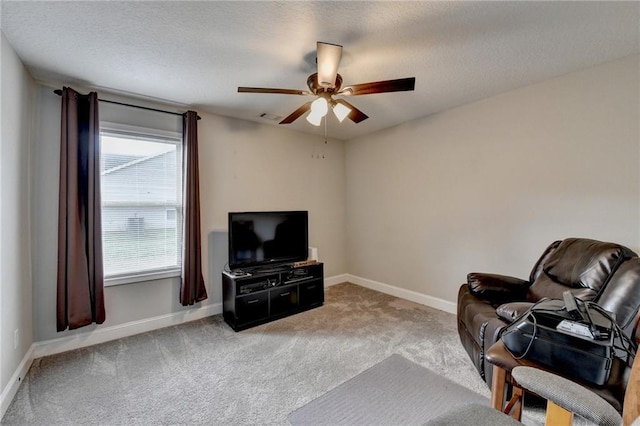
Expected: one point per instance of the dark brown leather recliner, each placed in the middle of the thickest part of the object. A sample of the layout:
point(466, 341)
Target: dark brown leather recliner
point(606, 273)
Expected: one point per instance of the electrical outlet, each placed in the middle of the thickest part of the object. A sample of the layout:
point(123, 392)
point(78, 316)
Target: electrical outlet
point(15, 338)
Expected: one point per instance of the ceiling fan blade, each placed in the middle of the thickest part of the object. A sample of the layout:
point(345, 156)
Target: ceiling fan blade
point(296, 114)
point(355, 115)
point(328, 58)
point(399, 85)
point(276, 91)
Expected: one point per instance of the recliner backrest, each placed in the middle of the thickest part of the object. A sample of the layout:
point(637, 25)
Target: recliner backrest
point(537, 268)
point(581, 265)
point(622, 295)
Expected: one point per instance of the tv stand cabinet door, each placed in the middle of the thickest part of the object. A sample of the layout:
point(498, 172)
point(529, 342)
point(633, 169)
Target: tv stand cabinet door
point(311, 293)
point(283, 299)
point(252, 307)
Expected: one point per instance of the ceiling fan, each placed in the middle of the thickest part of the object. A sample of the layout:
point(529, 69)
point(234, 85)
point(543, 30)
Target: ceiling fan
point(327, 83)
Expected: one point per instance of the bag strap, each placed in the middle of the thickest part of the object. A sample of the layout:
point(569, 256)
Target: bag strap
point(628, 345)
point(534, 321)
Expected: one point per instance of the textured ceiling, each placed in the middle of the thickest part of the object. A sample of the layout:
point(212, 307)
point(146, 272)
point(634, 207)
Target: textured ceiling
point(198, 53)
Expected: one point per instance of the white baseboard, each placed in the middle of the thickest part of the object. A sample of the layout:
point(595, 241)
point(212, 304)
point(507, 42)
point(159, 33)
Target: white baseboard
point(99, 335)
point(105, 334)
point(413, 296)
point(14, 382)
point(336, 279)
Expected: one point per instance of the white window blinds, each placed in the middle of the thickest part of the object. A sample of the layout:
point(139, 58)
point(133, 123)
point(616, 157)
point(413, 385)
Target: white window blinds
point(141, 181)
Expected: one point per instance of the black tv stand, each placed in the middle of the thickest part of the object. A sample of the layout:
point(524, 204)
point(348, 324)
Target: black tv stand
point(258, 296)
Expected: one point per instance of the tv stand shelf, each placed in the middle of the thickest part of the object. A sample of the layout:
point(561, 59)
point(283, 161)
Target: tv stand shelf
point(251, 299)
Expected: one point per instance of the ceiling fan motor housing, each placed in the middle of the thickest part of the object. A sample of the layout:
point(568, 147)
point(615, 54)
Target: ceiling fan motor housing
point(317, 89)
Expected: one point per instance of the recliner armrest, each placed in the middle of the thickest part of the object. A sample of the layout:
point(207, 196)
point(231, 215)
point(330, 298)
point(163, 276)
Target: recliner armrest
point(511, 311)
point(495, 287)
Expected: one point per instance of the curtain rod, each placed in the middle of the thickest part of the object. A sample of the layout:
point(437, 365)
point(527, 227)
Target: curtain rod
point(59, 93)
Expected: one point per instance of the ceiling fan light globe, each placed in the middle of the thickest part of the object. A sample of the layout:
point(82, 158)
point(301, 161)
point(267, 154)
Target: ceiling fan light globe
point(341, 111)
point(319, 107)
point(314, 119)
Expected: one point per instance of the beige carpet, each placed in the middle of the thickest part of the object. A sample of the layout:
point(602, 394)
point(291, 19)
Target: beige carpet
point(204, 373)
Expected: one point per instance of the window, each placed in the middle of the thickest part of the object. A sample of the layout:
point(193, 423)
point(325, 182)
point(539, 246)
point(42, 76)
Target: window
point(141, 188)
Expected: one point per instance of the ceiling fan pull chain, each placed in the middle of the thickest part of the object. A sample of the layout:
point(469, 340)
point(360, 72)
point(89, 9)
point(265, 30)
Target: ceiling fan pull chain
point(324, 148)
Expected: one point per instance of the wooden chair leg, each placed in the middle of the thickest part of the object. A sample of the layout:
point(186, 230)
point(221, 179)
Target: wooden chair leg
point(498, 390)
point(499, 379)
point(557, 416)
point(518, 399)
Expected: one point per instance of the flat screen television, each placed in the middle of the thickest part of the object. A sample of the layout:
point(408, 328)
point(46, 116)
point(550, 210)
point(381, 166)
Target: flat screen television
point(260, 239)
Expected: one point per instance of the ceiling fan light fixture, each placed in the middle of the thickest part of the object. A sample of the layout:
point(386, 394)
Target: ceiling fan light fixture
point(314, 119)
point(319, 107)
point(341, 111)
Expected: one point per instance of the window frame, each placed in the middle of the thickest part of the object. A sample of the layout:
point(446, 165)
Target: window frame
point(145, 133)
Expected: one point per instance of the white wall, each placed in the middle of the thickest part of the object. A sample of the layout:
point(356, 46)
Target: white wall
point(487, 186)
point(18, 91)
point(243, 166)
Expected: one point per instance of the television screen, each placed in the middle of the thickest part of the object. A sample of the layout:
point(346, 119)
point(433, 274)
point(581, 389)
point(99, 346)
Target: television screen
point(267, 238)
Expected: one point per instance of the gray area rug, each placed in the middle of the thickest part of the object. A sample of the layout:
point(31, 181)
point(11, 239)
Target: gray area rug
point(395, 391)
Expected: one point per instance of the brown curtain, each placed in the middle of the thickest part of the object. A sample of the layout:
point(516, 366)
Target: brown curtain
point(80, 298)
point(192, 287)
